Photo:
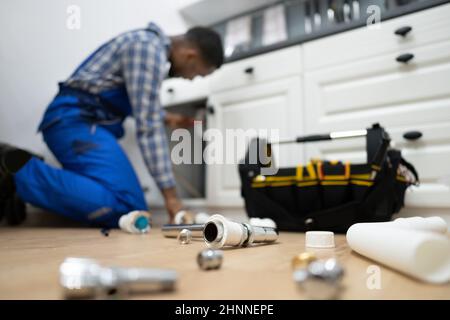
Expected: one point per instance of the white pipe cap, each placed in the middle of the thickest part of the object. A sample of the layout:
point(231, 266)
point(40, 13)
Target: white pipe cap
point(319, 239)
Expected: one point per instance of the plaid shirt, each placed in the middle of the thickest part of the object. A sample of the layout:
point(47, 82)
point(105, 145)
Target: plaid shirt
point(137, 59)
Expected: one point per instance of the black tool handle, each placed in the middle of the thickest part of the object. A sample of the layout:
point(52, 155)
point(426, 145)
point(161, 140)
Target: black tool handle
point(313, 137)
point(326, 136)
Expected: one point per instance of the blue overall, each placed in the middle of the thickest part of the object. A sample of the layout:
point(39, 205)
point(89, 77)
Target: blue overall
point(97, 183)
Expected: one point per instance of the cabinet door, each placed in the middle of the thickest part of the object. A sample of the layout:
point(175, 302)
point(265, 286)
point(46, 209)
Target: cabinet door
point(274, 105)
point(278, 64)
point(401, 98)
point(427, 27)
point(178, 91)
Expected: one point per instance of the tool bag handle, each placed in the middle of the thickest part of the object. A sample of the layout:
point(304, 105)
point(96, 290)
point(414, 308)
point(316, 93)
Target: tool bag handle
point(377, 141)
point(325, 137)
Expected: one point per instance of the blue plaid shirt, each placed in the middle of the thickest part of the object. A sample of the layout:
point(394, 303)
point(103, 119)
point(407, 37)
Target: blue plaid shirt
point(137, 60)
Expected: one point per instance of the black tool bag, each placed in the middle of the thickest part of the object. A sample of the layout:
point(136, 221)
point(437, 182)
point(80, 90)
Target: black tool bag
point(327, 195)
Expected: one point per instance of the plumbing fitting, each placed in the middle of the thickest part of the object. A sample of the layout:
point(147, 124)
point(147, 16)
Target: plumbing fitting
point(220, 232)
point(137, 221)
point(209, 259)
point(189, 217)
point(173, 230)
point(185, 236)
point(184, 217)
point(83, 278)
point(318, 279)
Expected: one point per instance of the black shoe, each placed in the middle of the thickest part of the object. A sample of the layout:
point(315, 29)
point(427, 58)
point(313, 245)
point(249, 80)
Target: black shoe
point(12, 159)
point(7, 189)
point(15, 211)
point(2, 208)
point(11, 206)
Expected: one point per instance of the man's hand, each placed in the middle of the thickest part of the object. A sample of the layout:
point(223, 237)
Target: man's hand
point(173, 204)
point(176, 120)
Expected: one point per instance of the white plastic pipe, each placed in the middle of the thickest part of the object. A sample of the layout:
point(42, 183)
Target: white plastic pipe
point(433, 224)
point(135, 222)
point(224, 233)
point(415, 246)
point(220, 232)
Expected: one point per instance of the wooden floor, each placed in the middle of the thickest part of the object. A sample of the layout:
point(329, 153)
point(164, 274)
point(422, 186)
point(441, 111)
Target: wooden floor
point(30, 258)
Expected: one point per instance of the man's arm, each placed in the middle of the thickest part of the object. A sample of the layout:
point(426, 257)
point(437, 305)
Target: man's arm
point(143, 65)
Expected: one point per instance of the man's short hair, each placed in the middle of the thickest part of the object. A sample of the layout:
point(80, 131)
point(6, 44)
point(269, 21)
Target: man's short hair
point(209, 43)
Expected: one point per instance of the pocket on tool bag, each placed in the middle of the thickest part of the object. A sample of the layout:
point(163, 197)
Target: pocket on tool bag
point(360, 181)
point(260, 203)
point(278, 188)
point(335, 193)
point(308, 193)
point(337, 219)
point(334, 181)
point(284, 195)
point(400, 189)
point(308, 197)
point(265, 207)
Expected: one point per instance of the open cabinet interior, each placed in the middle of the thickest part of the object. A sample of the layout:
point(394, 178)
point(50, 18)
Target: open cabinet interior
point(189, 175)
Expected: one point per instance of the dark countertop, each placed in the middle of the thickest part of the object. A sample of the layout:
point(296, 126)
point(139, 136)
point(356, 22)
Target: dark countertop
point(411, 8)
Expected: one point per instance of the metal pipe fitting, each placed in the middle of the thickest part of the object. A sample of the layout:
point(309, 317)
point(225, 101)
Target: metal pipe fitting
point(135, 222)
point(173, 230)
point(83, 278)
point(185, 236)
point(220, 232)
point(318, 279)
point(209, 259)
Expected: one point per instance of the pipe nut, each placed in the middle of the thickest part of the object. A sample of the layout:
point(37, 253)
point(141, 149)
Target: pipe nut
point(210, 259)
point(185, 236)
point(302, 260)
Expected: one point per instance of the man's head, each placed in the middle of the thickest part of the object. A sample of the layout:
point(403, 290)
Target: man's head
point(198, 52)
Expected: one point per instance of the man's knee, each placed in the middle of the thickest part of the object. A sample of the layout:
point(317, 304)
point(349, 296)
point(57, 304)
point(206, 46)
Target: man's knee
point(109, 215)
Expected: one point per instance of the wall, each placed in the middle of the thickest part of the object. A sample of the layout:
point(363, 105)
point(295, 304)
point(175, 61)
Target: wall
point(37, 50)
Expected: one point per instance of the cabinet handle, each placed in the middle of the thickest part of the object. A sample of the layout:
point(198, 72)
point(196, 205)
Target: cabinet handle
point(249, 70)
point(405, 58)
point(403, 31)
point(170, 90)
point(412, 135)
point(210, 110)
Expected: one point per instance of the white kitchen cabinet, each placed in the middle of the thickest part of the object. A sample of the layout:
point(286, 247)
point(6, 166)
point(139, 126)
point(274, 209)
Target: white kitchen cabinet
point(179, 91)
point(402, 97)
point(259, 69)
point(272, 105)
point(427, 26)
point(342, 82)
point(381, 88)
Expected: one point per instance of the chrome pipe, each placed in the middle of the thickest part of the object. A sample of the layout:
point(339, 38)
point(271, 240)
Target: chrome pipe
point(83, 278)
point(220, 232)
point(173, 230)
